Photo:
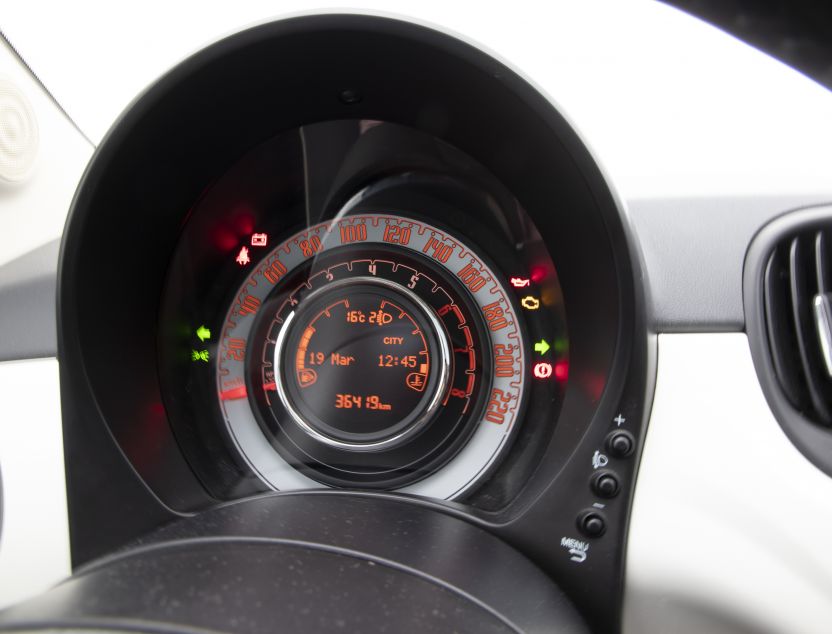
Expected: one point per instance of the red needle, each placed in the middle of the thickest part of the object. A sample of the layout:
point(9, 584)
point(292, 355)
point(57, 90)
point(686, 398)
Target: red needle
point(235, 393)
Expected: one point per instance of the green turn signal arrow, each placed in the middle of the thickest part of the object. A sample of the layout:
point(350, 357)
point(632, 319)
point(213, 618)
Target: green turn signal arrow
point(541, 346)
point(203, 333)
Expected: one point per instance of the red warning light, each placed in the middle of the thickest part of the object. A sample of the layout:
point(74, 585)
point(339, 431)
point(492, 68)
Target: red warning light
point(520, 282)
point(562, 370)
point(242, 257)
point(259, 239)
point(543, 370)
point(537, 274)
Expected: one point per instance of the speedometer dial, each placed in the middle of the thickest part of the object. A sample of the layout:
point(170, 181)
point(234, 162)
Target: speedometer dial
point(376, 350)
point(394, 324)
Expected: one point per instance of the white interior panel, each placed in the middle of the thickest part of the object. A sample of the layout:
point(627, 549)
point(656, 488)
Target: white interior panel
point(672, 105)
point(34, 545)
point(730, 527)
point(34, 210)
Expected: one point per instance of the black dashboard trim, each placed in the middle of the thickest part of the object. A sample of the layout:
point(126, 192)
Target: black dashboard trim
point(811, 438)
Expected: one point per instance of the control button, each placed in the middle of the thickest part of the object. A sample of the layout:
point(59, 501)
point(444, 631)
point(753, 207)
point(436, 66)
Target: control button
point(621, 443)
point(605, 484)
point(592, 524)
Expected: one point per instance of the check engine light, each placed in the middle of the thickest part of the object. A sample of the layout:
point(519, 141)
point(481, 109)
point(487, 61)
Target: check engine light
point(530, 303)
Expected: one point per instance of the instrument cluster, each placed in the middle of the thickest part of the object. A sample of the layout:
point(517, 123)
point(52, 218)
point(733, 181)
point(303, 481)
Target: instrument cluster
point(350, 257)
point(392, 329)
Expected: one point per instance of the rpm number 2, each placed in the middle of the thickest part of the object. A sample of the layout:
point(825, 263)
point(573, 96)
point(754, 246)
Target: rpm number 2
point(497, 408)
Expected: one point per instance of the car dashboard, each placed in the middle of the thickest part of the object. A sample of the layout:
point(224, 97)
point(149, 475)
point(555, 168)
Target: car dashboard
point(377, 321)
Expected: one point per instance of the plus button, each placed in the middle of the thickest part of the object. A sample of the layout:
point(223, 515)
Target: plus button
point(620, 420)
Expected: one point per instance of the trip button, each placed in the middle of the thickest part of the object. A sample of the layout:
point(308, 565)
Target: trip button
point(621, 443)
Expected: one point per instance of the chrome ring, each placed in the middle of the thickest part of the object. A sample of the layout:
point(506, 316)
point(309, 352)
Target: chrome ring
point(433, 405)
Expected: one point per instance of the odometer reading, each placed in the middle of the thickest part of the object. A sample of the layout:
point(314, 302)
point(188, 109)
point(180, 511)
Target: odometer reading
point(371, 402)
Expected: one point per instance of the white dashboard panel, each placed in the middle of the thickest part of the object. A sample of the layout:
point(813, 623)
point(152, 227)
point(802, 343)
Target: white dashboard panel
point(33, 211)
point(729, 530)
point(730, 523)
point(671, 105)
point(34, 551)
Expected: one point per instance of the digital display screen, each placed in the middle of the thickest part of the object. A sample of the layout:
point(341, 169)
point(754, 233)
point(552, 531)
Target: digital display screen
point(360, 360)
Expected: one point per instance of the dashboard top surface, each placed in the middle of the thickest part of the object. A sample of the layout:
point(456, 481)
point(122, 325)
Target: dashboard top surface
point(674, 107)
point(685, 137)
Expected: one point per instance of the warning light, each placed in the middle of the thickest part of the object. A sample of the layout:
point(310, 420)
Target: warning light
point(562, 370)
point(203, 333)
point(537, 274)
point(542, 370)
point(242, 257)
point(200, 355)
point(520, 282)
point(259, 239)
point(530, 303)
point(542, 346)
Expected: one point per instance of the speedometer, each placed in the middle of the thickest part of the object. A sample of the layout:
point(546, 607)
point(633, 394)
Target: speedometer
point(376, 350)
point(390, 320)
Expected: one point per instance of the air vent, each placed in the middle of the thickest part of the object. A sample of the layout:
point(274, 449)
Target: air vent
point(797, 291)
point(788, 314)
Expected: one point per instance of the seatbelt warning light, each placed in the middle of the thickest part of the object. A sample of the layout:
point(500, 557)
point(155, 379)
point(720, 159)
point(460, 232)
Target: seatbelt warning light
point(242, 257)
